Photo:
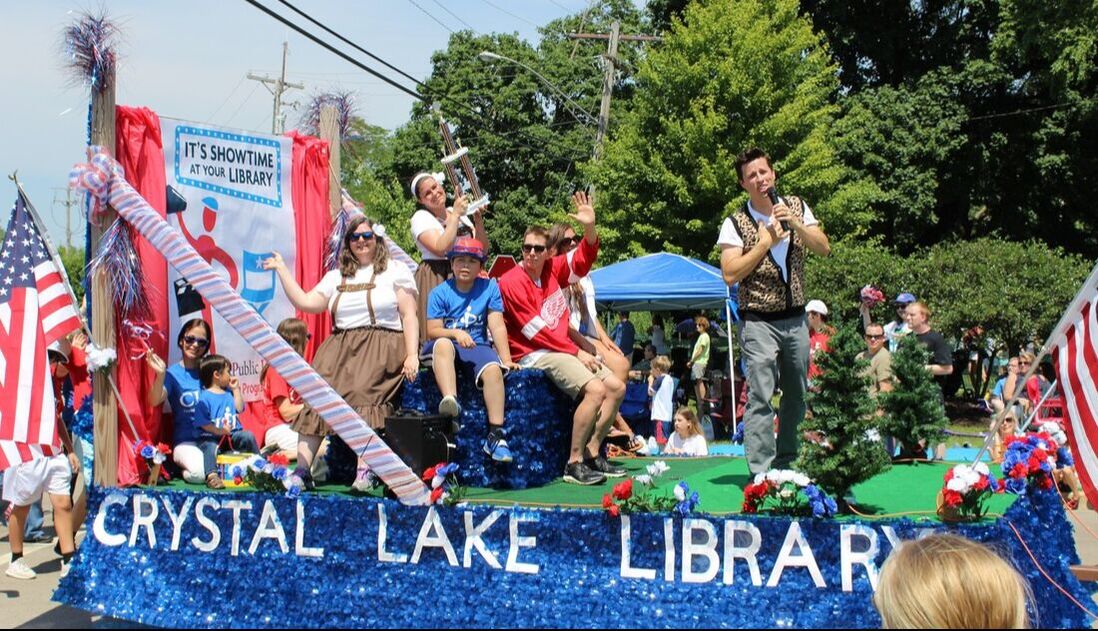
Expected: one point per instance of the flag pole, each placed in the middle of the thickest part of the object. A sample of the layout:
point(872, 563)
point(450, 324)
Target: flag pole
point(1052, 340)
point(55, 256)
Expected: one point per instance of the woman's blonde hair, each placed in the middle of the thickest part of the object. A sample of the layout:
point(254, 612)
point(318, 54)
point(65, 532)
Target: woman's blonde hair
point(949, 582)
point(688, 414)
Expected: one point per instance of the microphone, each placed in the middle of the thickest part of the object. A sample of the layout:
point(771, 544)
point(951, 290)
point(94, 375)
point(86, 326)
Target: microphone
point(772, 193)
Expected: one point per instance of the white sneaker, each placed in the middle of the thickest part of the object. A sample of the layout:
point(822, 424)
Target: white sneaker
point(194, 477)
point(642, 449)
point(449, 407)
point(65, 568)
point(653, 446)
point(18, 569)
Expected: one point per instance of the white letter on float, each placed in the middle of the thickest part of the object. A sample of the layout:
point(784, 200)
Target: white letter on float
point(517, 542)
point(299, 539)
point(177, 519)
point(627, 571)
point(804, 557)
point(473, 539)
point(748, 553)
point(706, 548)
point(867, 558)
point(208, 524)
point(143, 520)
point(236, 506)
point(270, 527)
point(384, 555)
point(668, 550)
point(100, 525)
point(432, 523)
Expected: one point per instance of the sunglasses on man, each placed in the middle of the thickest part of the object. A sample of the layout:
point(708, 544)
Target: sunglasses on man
point(530, 247)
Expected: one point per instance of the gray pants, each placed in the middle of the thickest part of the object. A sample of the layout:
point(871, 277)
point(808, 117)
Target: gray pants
point(776, 354)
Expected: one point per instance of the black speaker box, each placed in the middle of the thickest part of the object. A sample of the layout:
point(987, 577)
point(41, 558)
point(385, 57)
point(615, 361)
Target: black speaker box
point(420, 440)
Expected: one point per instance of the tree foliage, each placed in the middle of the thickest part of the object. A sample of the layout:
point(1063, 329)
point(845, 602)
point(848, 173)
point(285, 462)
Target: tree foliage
point(731, 74)
point(913, 410)
point(843, 412)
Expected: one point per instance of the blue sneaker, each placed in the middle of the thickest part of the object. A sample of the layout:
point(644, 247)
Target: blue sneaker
point(496, 446)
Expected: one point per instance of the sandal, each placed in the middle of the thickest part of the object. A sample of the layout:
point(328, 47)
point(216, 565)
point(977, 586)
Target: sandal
point(215, 482)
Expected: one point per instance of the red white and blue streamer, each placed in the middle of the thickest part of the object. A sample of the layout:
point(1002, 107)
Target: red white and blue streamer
point(103, 178)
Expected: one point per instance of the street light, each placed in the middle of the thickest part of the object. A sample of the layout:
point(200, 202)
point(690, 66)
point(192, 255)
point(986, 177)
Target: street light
point(488, 56)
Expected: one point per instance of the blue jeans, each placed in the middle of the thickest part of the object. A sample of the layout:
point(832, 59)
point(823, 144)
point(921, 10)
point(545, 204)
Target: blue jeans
point(242, 440)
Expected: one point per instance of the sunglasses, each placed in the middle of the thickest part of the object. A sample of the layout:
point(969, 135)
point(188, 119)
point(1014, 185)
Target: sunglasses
point(530, 247)
point(575, 240)
point(360, 236)
point(191, 340)
point(874, 337)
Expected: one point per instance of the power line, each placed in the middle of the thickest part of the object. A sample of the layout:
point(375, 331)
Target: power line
point(456, 16)
point(226, 101)
point(517, 17)
point(335, 51)
point(428, 14)
point(243, 103)
point(1028, 111)
point(353, 45)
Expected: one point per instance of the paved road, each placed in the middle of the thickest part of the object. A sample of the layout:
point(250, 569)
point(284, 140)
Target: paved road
point(27, 605)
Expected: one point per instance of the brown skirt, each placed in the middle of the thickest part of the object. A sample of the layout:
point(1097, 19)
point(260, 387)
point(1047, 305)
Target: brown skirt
point(364, 366)
point(429, 274)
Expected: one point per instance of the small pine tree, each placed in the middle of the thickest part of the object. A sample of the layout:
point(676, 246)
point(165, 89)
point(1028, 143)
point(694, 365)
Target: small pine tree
point(843, 415)
point(913, 411)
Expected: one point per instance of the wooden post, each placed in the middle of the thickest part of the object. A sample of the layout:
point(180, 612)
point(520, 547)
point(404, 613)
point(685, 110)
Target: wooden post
point(329, 130)
point(102, 307)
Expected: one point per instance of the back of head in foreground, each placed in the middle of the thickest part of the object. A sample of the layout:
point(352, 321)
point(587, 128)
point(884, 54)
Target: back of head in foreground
point(949, 582)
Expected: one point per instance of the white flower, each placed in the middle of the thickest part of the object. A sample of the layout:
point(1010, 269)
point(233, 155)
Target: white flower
point(981, 468)
point(760, 478)
point(158, 458)
point(1042, 445)
point(957, 484)
point(99, 358)
point(786, 493)
point(437, 481)
point(785, 475)
point(774, 476)
point(644, 479)
point(961, 470)
point(801, 479)
point(971, 478)
point(658, 468)
point(680, 493)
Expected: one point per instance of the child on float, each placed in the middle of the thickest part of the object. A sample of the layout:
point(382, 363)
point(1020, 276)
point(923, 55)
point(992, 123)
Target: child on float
point(216, 417)
point(281, 403)
point(661, 387)
point(688, 438)
point(24, 484)
point(460, 312)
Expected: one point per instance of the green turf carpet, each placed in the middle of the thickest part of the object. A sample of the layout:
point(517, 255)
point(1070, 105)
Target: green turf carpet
point(904, 490)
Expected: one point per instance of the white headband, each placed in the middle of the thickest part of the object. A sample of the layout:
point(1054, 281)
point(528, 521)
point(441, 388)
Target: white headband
point(440, 177)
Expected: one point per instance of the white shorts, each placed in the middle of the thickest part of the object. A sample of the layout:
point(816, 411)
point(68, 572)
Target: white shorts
point(284, 436)
point(25, 483)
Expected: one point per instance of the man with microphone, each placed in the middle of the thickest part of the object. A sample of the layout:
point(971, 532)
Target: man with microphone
point(763, 247)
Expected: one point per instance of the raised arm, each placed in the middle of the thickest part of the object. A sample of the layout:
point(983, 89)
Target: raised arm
point(309, 302)
point(439, 243)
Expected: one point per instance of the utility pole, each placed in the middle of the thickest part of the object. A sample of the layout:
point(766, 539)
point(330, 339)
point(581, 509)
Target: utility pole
point(611, 60)
point(68, 203)
point(277, 87)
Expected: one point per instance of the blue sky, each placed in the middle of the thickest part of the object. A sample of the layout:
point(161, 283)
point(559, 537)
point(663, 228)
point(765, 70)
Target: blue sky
point(189, 60)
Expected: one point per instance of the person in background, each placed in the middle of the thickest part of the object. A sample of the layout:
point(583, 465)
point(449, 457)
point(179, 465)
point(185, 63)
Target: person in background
point(819, 333)
point(699, 359)
point(918, 315)
point(624, 334)
point(950, 582)
point(281, 403)
point(641, 369)
point(658, 335)
point(661, 387)
point(688, 438)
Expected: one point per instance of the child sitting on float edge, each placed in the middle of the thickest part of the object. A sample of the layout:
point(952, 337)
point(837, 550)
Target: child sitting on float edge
point(216, 420)
point(460, 312)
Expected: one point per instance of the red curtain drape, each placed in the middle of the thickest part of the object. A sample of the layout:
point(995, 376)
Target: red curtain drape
point(140, 150)
point(313, 222)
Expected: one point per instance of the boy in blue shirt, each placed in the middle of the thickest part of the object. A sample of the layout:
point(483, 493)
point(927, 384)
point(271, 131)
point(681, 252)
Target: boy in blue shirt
point(459, 314)
point(215, 416)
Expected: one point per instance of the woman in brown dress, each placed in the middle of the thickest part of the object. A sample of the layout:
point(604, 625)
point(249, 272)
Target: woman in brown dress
point(374, 344)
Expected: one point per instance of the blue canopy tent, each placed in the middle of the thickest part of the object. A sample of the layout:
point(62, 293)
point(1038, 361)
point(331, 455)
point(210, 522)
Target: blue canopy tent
point(666, 282)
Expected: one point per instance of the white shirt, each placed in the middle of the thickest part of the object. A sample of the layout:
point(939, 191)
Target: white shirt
point(425, 221)
point(778, 250)
point(353, 310)
point(658, 340)
point(693, 446)
point(663, 400)
point(893, 332)
point(587, 328)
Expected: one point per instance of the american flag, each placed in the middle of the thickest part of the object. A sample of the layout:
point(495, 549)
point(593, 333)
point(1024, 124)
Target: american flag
point(1074, 346)
point(35, 311)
